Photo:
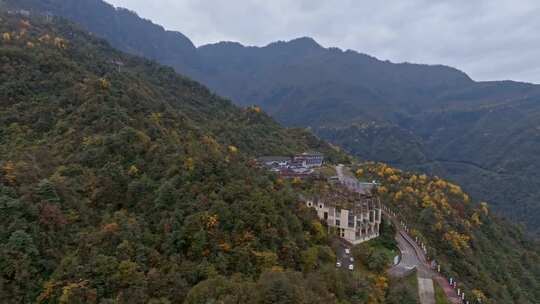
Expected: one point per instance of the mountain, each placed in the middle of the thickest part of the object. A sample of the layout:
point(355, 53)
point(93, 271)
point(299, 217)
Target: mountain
point(124, 182)
point(483, 135)
point(124, 29)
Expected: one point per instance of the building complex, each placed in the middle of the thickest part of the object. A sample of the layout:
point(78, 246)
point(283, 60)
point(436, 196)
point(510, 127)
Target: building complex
point(355, 216)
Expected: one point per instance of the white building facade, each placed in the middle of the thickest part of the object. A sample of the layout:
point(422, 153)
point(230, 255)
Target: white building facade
point(359, 223)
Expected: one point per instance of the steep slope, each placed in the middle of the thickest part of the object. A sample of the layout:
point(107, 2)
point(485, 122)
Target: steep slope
point(123, 29)
point(489, 258)
point(121, 181)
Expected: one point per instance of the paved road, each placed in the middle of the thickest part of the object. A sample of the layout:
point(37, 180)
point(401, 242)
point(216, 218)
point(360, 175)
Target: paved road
point(409, 259)
point(412, 256)
point(426, 291)
point(342, 256)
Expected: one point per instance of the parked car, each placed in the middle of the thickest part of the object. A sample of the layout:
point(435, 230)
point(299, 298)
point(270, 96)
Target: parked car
point(338, 264)
point(351, 267)
point(347, 251)
point(351, 259)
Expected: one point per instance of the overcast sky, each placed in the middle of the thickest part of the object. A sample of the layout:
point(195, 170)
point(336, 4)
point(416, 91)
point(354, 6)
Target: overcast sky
point(488, 39)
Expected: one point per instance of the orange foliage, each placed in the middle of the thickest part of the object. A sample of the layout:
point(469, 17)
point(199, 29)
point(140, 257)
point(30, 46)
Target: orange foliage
point(111, 228)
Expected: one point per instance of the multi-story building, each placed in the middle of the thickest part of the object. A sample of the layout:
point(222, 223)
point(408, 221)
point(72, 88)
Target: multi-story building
point(355, 216)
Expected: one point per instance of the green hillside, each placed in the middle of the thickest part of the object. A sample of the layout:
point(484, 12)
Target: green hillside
point(448, 124)
point(122, 182)
point(485, 254)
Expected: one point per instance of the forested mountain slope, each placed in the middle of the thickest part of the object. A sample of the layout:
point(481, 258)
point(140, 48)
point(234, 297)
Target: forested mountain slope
point(121, 181)
point(122, 28)
point(483, 135)
point(434, 119)
point(488, 257)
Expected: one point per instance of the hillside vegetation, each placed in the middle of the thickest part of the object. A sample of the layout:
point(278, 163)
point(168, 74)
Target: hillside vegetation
point(432, 119)
point(123, 182)
point(488, 256)
point(126, 183)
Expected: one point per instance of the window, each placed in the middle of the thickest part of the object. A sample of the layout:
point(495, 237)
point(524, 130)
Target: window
point(338, 223)
point(320, 206)
point(325, 215)
point(351, 220)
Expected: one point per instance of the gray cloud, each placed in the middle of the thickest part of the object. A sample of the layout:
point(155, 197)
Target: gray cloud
point(488, 39)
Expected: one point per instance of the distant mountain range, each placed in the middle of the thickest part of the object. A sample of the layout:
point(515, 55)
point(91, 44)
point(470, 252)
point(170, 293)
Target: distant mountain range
point(436, 119)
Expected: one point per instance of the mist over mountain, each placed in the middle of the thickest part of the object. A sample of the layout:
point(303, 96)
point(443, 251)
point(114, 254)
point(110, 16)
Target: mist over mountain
point(483, 135)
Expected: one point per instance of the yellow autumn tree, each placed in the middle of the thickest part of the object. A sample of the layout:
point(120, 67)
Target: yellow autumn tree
point(211, 221)
point(457, 240)
point(475, 219)
point(427, 201)
point(6, 37)
point(398, 196)
point(9, 172)
point(479, 295)
point(382, 190)
point(388, 171)
point(296, 181)
point(133, 171)
point(233, 149)
point(189, 164)
point(104, 83)
point(393, 178)
point(484, 207)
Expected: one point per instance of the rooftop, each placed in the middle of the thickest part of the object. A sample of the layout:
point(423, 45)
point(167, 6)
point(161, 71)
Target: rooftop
point(341, 197)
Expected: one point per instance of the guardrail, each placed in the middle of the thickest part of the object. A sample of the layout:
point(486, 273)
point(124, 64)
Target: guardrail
point(435, 266)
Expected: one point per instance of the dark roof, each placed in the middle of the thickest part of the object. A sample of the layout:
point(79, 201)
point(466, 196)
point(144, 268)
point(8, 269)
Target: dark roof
point(273, 158)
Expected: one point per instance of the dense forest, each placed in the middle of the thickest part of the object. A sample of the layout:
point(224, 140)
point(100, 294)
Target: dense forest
point(427, 118)
point(123, 182)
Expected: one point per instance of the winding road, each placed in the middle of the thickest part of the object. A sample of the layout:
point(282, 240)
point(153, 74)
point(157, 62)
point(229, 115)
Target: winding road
point(412, 256)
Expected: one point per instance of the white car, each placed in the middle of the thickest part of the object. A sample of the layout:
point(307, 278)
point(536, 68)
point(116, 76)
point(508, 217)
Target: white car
point(338, 264)
point(351, 259)
point(347, 251)
point(351, 267)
